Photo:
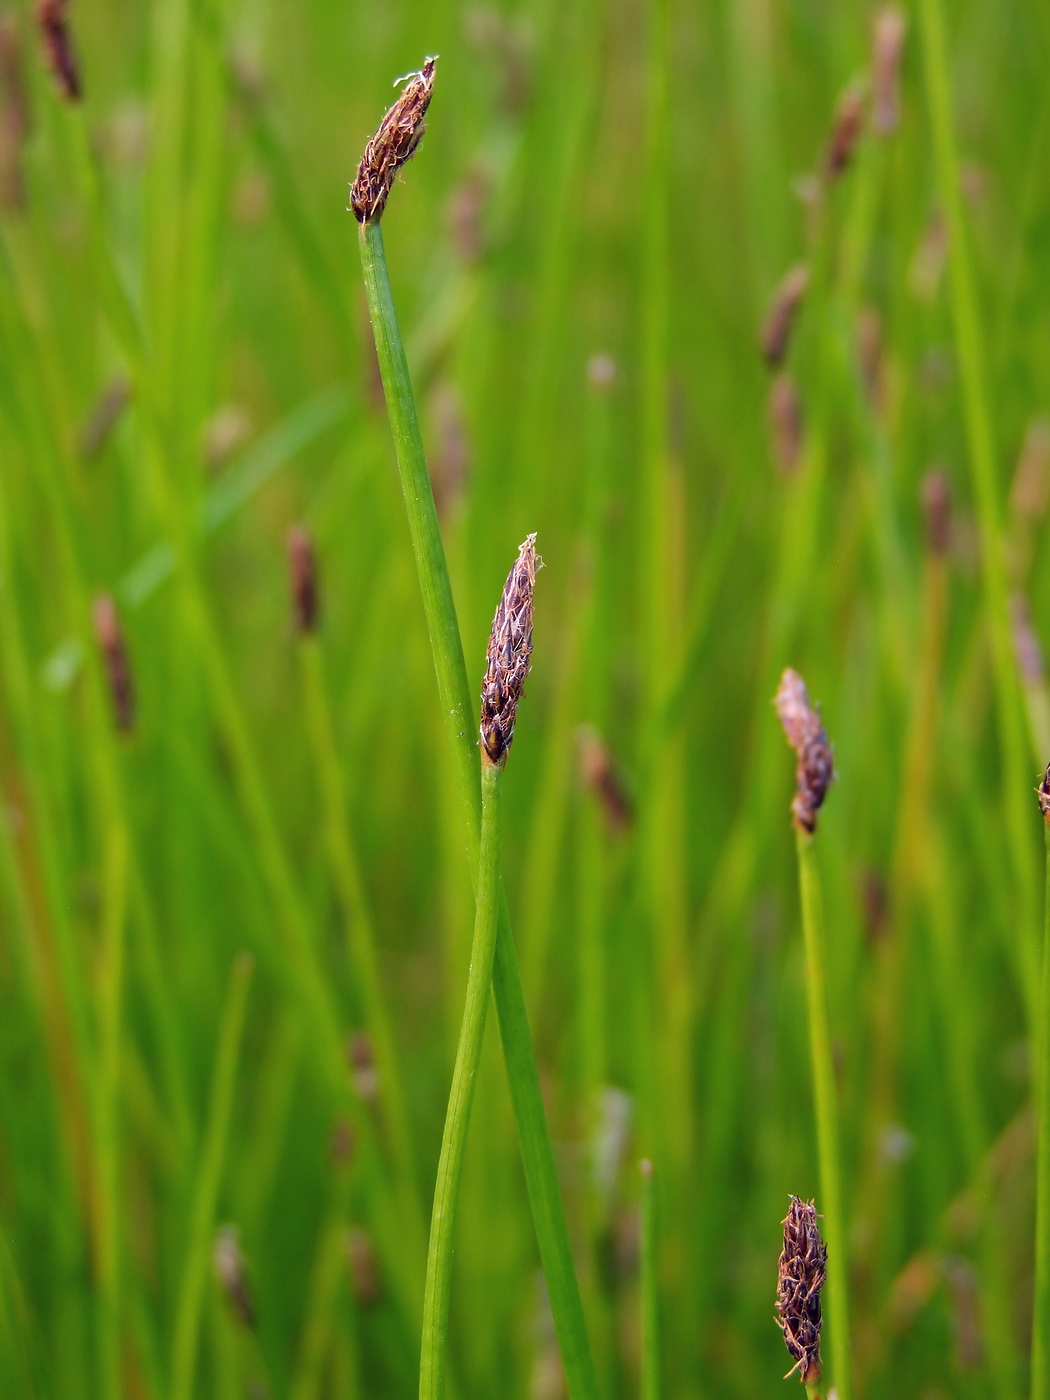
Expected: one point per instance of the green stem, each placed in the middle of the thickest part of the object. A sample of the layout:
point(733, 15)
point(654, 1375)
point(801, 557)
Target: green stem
point(206, 1187)
point(434, 581)
point(319, 1320)
point(1041, 1311)
point(108, 1126)
point(541, 1178)
point(982, 453)
point(461, 1096)
point(361, 939)
point(825, 1099)
point(652, 1387)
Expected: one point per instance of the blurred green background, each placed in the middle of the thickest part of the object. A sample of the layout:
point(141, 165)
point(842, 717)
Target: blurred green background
point(214, 1173)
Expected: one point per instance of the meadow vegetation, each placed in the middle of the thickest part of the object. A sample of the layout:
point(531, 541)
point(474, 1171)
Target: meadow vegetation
point(742, 309)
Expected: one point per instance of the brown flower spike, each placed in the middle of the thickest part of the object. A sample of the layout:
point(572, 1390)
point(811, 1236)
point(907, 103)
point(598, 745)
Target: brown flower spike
point(231, 1271)
point(778, 325)
point(396, 141)
point(110, 638)
point(1043, 792)
point(58, 47)
point(302, 574)
point(845, 133)
point(806, 735)
point(509, 654)
point(886, 49)
point(803, 1269)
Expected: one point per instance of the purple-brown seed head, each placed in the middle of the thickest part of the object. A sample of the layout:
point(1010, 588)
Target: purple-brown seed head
point(509, 656)
point(845, 133)
point(396, 142)
point(779, 323)
point(302, 574)
point(803, 1269)
point(1043, 792)
point(598, 773)
point(886, 49)
point(231, 1271)
point(805, 733)
point(58, 47)
point(784, 419)
point(937, 511)
point(110, 638)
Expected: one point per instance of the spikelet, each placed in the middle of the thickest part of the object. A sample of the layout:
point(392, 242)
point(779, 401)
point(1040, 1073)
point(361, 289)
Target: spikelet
point(302, 577)
point(785, 423)
point(598, 774)
point(937, 511)
point(509, 655)
point(806, 735)
point(396, 142)
point(845, 133)
point(803, 1269)
point(58, 47)
point(886, 47)
point(779, 323)
point(231, 1272)
point(111, 643)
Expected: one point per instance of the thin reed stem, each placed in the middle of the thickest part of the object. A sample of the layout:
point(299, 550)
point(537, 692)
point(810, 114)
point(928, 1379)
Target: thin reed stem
point(541, 1178)
point(826, 1103)
point(652, 1385)
point(1041, 1301)
point(319, 1321)
point(969, 340)
point(346, 871)
point(108, 1121)
point(429, 551)
point(433, 1356)
point(206, 1187)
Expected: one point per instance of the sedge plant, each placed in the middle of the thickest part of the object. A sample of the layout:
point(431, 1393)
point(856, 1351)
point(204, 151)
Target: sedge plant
point(509, 653)
point(814, 773)
point(394, 143)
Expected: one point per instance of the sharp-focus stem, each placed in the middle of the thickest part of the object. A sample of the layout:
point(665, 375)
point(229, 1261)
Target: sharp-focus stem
point(826, 1103)
point(427, 546)
point(541, 1178)
point(1041, 1309)
point(433, 1356)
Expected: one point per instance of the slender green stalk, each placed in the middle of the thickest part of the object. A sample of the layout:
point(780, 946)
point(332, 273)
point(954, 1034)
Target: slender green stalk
point(1041, 1308)
point(825, 1098)
point(427, 546)
point(432, 1363)
point(108, 1122)
point(206, 1188)
point(321, 1012)
point(962, 1033)
point(537, 1157)
point(319, 1321)
point(982, 453)
point(346, 870)
point(652, 1387)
